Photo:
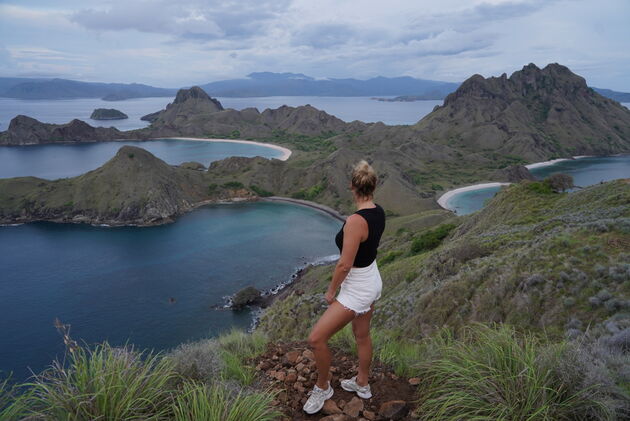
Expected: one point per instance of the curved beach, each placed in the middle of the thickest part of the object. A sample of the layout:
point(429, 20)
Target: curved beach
point(443, 200)
point(286, 152)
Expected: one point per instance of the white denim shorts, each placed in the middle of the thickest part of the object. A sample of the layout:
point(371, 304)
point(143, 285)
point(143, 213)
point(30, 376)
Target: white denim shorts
point(361, 288)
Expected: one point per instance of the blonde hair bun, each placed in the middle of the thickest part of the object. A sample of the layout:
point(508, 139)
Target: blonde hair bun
point(363, 179)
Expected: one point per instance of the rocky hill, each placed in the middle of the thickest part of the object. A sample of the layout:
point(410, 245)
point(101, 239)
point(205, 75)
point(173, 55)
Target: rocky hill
point(158, 193)
point(194, 113)
point(188, 104)
point(482, 131)
point(108, 114)
point(25, 130)
point(534, 114)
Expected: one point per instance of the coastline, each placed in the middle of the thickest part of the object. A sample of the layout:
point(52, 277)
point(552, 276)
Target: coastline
point(328, 210)
point(286, 152)
point(443, 200)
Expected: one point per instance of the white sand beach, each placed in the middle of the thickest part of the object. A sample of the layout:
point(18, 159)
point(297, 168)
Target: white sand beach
point(554, 161)
point(286, 153)
point(443, 200)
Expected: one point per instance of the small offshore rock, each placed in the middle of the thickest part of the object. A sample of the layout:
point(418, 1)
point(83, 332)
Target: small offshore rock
point(246, 296)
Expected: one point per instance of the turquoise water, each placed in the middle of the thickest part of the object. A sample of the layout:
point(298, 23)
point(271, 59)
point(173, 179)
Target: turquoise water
point(585, 172)
point(116, 283)
point(57, 161)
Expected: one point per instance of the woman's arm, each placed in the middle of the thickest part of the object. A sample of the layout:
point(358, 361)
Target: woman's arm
point(354, 230)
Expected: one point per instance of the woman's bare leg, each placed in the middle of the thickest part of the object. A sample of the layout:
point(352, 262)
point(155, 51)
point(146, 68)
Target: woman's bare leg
point(361, 330)
point(333, 319)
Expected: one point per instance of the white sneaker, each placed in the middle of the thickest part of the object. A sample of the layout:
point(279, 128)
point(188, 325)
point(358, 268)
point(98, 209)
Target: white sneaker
point(316, 401)
point(351, 386)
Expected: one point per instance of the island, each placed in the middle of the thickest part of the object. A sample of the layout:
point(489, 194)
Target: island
point(485, 131)
point(108, 114)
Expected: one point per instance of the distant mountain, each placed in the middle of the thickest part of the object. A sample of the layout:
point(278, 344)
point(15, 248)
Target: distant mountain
point(617, 96)
point(296, 84)
point(24, 88)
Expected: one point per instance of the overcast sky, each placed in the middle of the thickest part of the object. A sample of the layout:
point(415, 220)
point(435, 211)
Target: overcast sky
point(173, 43)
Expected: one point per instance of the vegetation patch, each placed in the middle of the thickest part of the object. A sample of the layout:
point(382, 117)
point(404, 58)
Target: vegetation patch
point(233, 185)
point(431, 239)
point(260, 191)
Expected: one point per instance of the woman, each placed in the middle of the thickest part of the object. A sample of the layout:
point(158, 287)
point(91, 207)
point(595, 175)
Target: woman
point(360, 281)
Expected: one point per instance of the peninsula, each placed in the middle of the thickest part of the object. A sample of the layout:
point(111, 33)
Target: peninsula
point(484, 129)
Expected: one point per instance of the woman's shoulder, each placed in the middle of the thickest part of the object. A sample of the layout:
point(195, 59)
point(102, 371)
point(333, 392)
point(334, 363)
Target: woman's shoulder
point(355, 221)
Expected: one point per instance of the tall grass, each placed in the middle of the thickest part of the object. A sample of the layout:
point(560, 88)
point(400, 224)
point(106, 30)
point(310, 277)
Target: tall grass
point(495, 374)
point(12, 403)
point(108, 383)
point(401, 355)
point(105, 383)
point(236, 347)
point(199, 402)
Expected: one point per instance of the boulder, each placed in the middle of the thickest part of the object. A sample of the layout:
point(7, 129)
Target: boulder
point(246, 296)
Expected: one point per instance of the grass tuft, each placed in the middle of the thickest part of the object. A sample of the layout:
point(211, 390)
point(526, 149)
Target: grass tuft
point(104, 383)
point(494, 374)
point(199, 402)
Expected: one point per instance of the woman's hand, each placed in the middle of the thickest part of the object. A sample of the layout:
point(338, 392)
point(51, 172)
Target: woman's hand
point(329, 296)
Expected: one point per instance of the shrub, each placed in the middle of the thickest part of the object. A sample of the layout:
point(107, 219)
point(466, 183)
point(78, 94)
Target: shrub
point(212, 188)
point(431, 239)
point(260, 191)
point(389, 257)
point(559, 182)
point(310, 193)
point(539, 187)
point(199, 361)
point(233, 185)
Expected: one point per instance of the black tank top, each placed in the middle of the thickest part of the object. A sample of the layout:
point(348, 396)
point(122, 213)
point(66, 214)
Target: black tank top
point(366, 253)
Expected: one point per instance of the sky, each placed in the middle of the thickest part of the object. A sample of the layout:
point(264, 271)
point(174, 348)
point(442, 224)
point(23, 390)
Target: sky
point(174, 43)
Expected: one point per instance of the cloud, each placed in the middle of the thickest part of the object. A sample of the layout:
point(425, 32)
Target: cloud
point(187, 19)
point(171, 43)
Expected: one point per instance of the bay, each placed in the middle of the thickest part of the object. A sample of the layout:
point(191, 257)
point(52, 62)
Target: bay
point(585, 172)
point(67, 160)
point(116, 284)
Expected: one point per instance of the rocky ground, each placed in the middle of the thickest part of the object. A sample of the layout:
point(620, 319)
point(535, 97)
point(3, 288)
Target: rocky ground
point(289, 369)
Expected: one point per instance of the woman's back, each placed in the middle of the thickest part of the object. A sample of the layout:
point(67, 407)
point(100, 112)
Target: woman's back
point(375, 218)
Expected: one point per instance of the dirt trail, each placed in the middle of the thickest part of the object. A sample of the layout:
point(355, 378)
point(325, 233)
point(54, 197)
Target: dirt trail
point(289, 368)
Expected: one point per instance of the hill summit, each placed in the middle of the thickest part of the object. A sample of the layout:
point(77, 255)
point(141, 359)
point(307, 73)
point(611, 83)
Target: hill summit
point(535, 113)
point(188, 103)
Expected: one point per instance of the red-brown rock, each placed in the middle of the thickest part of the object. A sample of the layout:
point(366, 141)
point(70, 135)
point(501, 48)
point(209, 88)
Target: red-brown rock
point(330, 407)
point(354, 407)
point(394, 410)
point(370, 415)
